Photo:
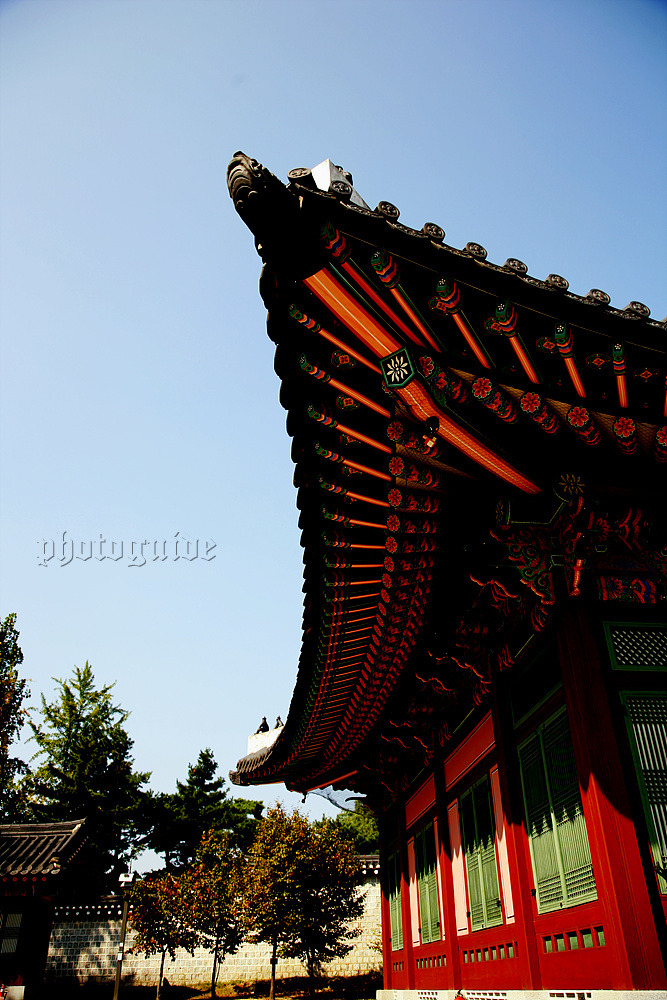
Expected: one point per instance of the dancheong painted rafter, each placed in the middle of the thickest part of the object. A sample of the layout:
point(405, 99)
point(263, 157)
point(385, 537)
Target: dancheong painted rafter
point(481, 462)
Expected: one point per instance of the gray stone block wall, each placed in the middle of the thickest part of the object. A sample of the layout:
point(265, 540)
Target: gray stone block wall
point(85, 946)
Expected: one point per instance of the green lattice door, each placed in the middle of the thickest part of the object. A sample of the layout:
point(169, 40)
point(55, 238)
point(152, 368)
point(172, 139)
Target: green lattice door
point(647, 726)
point(427, 883)
point(395, 910)
point(555, 820)
point(479, 845)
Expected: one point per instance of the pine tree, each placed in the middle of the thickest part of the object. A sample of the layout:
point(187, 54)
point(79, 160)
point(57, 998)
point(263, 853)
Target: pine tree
point(177, 821)
point(13, 691)
point(86, 770)
point(360, 827)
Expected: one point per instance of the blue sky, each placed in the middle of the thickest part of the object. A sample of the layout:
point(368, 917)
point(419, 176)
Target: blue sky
point(138, 394)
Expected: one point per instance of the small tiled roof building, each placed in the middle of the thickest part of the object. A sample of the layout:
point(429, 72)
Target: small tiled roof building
point(35, 859)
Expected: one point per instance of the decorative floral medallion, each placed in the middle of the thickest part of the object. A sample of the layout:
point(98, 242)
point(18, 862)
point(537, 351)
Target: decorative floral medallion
point(625, 430)
point(599, 363)
point(570, 485)
point(342, 360)
point(645, 374)
point(578, 416)
point(660, 444)
point(397, 369)
point(346, 403)
point(531, 402)
point(580, 420)
point(395, 430)
point(482, 389)
point(535, 407)
point(547, 345)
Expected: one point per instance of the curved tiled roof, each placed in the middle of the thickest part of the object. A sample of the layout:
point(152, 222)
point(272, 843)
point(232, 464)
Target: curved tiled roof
point(426, 389)
point(28, 849)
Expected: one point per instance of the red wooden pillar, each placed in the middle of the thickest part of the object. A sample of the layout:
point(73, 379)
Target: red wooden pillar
point(453, 970)
point(387, 967)
point(392, 979)
point(633, 941)
point(517, 854)
point(408, 950)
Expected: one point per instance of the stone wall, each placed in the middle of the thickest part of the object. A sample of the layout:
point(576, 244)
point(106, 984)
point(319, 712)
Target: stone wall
point(84, 945)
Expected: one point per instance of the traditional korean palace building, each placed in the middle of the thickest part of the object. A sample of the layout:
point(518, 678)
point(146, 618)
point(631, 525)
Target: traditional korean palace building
point(481, 465)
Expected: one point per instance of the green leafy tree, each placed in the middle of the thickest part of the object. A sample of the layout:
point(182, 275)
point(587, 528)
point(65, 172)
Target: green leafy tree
point(159, 919)
point(328, 901)
point(301, 890)
point(211, 893)
point(270, 874)
point(86, 769)
point(360, 827)
point(13, 691)
point(177, 821)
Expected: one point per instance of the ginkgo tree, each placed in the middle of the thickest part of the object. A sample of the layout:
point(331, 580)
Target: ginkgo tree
point(13, 691)
point(85, 769)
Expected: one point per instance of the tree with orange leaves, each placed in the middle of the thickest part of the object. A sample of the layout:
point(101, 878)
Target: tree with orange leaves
point(159, 919)
point(301, 890)
point(211, 892)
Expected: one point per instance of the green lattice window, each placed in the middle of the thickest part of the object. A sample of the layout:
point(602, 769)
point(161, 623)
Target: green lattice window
point(634, 646)
point(427, 884)
point(555, 820)
point(10, 925)
point(479, 845)
point(395, 909)
point(646, 717)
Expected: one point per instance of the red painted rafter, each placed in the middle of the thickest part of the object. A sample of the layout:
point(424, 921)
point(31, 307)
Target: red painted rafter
point(471, 340)
point(356, 274)
point(340, 302)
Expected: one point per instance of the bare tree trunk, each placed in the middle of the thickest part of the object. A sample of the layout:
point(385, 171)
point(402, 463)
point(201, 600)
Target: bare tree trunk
point(214, 973)
point(159, 978)
point(274, 952)
point(311, 976)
